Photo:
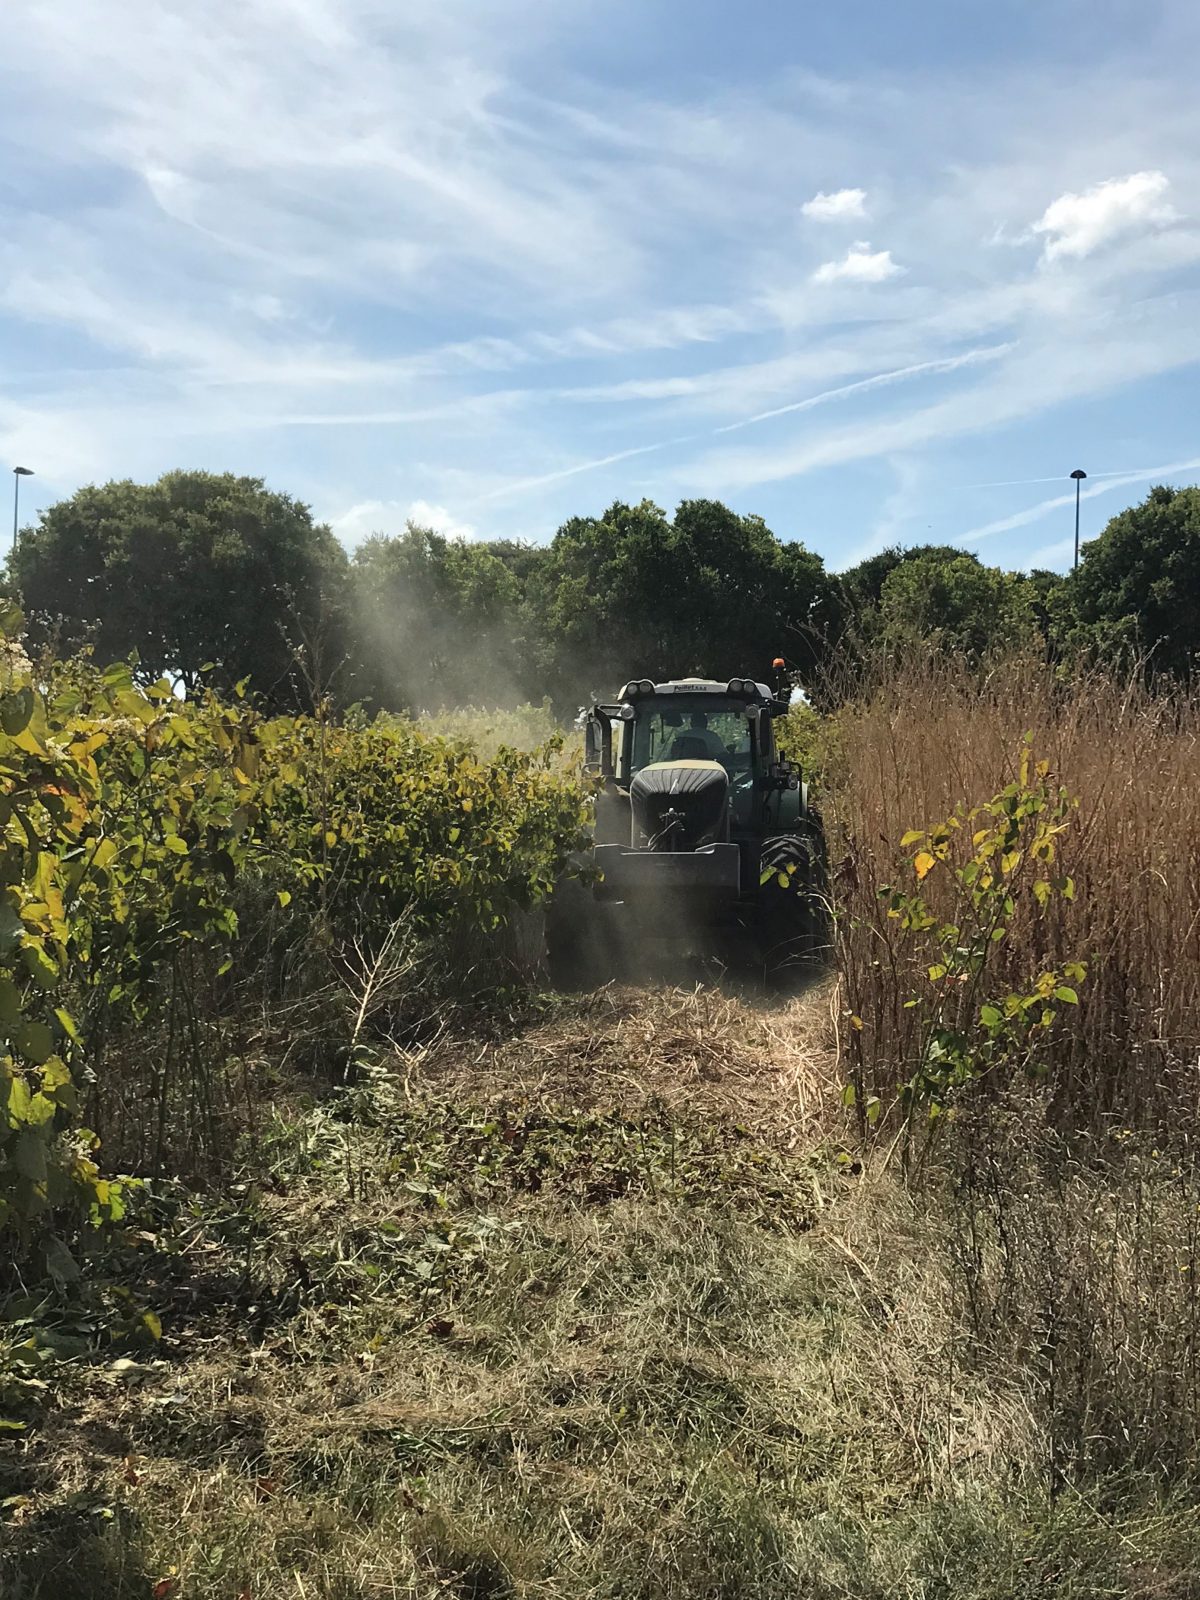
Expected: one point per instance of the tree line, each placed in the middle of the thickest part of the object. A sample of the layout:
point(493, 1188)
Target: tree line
point(205, 576)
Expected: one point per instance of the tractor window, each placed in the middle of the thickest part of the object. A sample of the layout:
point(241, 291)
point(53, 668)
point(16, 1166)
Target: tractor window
point(713, 731)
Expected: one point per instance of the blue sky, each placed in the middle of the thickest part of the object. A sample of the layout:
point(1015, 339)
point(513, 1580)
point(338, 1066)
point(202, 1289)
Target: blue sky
point(878, 273)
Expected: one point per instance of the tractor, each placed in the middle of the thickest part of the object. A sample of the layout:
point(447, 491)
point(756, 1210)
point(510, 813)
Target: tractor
point(705, 840)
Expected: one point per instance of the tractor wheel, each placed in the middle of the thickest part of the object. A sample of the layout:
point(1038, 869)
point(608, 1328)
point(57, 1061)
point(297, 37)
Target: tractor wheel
point(791, 917)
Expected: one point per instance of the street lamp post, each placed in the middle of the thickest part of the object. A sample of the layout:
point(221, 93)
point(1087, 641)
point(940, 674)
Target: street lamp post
point(1079, 475)
point(18, 474)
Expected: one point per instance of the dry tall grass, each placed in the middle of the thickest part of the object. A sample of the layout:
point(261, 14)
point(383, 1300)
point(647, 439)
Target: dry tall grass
point(931, 736)
point(1068, 1205)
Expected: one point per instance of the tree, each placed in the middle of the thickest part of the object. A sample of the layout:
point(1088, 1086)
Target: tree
point(521, 558)
point(957, 604)
point(1136, 589)
point(199, 568)
point(635, 594)
point(437, 620)
point(859, 589)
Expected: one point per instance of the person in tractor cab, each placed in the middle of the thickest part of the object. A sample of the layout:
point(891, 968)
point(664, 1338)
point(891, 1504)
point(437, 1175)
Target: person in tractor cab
point(699, 742)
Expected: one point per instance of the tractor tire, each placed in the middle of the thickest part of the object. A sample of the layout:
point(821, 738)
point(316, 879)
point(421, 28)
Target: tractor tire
point(791, 914)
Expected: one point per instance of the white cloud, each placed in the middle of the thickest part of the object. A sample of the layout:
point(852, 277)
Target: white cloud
point(860, 264)
point(266, 307)
point(359, 521)
point(837, 207)
point(423, 515)
point(1075, 224)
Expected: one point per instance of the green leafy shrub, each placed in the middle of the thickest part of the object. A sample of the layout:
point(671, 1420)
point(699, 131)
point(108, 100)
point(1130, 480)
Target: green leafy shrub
point(978, 874)
point(382, 820)
point(135, 826)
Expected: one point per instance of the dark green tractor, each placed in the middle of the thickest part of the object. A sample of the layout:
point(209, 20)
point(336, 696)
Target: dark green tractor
point(705, 840)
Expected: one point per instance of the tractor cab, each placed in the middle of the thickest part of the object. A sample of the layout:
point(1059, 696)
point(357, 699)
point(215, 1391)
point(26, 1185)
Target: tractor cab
point(697, 732)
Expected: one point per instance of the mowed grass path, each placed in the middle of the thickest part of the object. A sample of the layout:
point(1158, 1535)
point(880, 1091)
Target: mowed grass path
point(603, 1310)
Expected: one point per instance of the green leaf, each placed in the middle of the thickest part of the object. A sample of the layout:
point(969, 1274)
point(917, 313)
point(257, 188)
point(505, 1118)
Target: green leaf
point(57, 1082)
point(152, 1324)
point(105, 854)
point(35, 1042)
point(29, 1156)
point(41, 1110)
point(911, 837)
point(67, 1023)
point(10, 1002)
point(42, 968)
point(938, 970)
point(117, 676)
point(990, 1016)
point(12, 928)
point(849, 1095)
point(16, 711)
point(18, 1101)
point(1066, 995)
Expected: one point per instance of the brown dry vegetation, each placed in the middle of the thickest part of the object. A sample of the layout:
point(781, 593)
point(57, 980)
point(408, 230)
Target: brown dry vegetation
point(701, 1053)
point(932, 737)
